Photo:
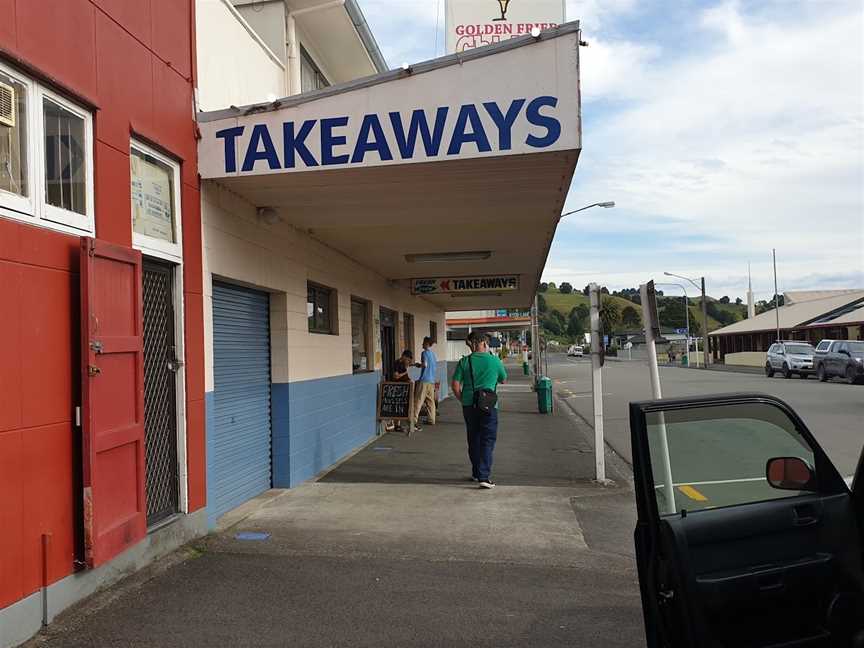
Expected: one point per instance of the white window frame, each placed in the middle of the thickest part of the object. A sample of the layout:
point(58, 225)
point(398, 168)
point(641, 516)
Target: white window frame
point(58, 215)
point(35, 210)
point(149, 244)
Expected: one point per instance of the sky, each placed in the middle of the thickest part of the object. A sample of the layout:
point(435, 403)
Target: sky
point(721, 129)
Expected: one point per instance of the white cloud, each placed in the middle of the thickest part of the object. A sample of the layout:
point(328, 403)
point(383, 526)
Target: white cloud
point(755, 141)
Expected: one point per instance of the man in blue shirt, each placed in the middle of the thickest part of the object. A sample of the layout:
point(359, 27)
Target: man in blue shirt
point(424, 388)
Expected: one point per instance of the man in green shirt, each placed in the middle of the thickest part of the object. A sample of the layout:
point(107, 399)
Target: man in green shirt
point(480, 370)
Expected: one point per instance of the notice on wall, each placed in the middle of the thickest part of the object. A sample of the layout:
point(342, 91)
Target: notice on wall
point(474, 23)
point(395, 400)
point(461, 285)
point(152, 199)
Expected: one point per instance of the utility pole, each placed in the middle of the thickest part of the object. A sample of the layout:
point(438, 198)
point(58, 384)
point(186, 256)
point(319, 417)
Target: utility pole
point(597, 384)
point(535, 339)
point(705, 345)
point(776, 295)
point(652, 330)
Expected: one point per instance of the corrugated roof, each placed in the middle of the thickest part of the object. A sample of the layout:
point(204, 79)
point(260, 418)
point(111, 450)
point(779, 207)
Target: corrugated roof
point(794, 315)
point(797, 296)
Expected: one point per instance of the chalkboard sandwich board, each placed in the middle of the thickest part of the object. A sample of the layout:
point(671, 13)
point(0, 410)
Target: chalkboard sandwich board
point(396, 400)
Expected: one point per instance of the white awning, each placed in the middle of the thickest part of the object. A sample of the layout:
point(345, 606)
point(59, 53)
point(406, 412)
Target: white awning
point(455, 167)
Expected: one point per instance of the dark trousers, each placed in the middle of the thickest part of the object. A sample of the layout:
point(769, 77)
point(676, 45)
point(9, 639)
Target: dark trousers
point(482, 433)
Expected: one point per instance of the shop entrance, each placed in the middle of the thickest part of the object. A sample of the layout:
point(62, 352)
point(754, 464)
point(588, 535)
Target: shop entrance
point(388, 342)
point(160, 392)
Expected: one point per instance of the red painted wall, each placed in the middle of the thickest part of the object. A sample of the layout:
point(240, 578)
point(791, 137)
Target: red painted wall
point(133, 61)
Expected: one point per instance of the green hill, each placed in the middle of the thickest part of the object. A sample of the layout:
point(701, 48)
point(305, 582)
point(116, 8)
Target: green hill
point(565, 303)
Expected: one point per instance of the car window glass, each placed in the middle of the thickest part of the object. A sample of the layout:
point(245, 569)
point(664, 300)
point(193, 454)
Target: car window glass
point(798, 348)
point(717, 455)
point(856, 348)
point(822, 346)
point(773, 349)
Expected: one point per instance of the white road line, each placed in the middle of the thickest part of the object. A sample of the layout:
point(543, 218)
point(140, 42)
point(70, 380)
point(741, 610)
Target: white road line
point(718, 481)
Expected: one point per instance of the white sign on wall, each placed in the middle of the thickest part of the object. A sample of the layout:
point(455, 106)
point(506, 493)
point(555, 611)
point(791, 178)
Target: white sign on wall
point(474, 23)
point(514, 102)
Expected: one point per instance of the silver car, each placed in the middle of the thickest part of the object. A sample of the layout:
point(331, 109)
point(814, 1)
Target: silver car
point(790, 358)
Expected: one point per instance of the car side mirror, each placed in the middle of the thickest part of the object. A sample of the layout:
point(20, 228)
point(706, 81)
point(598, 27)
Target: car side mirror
point(790, 473)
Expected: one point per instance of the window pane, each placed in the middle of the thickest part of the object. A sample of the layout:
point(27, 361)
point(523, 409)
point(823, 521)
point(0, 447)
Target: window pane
point(718, 455)
point(65, 155)
point(318, 309)
point(359, 336)
point(13, 136)
point(152, 197)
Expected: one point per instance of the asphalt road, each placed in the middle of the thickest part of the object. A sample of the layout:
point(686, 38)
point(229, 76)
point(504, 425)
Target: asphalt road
point(833, 411)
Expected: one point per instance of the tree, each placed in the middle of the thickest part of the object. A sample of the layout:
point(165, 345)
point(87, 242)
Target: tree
point(630, 317)
point(604, 290)
point(586, 290)
point(543, 287)
point(672, 314)
point(552, 287)
point(565, 288)
point(738, 301)
point(584, 311)
point(554, 322)
point(724, 300)
point(541, 304)
point(610, 315)
point(575, 324)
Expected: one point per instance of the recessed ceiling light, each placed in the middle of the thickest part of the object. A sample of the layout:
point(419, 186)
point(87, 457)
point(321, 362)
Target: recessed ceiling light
point(443, 257)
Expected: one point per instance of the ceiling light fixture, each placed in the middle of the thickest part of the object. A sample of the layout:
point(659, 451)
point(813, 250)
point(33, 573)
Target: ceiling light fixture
point(448, 257)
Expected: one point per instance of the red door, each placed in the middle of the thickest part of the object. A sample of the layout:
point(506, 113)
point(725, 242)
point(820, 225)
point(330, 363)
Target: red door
point(112, 362)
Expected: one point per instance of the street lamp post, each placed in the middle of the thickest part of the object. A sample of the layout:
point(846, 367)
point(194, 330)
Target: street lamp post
point(686, 316)
point(704, 310)
point(605, 204)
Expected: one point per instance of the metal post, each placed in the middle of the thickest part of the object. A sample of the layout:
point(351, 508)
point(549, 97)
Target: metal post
point(597, 386)
point(776, 295)
point(654, 372)
point(535, 339)
point(704, 324)
point(687, 325)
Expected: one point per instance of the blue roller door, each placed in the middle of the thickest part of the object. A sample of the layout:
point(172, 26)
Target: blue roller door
point(239, 467)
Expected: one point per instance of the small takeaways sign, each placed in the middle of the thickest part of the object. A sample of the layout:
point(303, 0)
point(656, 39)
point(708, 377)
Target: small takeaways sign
point(451, 285)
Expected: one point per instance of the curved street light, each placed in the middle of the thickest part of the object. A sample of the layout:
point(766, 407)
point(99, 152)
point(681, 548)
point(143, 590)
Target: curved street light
point(705, 344)
point(606, 205)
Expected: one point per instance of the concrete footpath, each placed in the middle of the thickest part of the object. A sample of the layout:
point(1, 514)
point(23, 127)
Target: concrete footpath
point(397, 547)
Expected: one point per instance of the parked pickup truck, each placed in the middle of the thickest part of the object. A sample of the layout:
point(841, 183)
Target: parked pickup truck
point(840, 358)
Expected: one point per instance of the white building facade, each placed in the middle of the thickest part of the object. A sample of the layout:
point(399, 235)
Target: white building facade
point(331, 185)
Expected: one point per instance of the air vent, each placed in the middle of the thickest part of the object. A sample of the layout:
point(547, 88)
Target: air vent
point(7, 105)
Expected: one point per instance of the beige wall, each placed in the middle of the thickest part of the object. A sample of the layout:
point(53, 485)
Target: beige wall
point(747, 358)
point(235, 67)
point(280, 259)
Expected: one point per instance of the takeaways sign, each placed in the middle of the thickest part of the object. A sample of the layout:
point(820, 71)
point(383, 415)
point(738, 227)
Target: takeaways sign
point(449, 285)
point(474, 23)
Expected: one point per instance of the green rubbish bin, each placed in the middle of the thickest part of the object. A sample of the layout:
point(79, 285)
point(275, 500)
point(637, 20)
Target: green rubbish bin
point(544, 395)
point(684, 360)
point(526, 369)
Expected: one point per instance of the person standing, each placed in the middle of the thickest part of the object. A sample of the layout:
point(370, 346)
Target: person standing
point(424, 388)
point(476, 375)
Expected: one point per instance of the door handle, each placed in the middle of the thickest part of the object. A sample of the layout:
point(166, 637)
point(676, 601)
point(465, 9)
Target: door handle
point(805, 515)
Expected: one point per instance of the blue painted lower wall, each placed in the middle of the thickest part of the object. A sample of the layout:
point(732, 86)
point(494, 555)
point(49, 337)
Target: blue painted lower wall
point(317, 422)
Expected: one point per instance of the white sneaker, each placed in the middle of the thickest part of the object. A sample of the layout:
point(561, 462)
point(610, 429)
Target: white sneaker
point(488, 484)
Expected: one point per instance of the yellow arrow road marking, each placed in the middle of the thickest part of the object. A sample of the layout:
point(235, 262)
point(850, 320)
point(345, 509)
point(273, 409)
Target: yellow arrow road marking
point(692, 493)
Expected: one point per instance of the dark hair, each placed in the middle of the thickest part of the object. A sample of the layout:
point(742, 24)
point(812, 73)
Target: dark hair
point(407, 353)
point(428, 341)
point(476, 338)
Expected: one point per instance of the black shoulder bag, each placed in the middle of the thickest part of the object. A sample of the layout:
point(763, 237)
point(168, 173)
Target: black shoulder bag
point(484, 399)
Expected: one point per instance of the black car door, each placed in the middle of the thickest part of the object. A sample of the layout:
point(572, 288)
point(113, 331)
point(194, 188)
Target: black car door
point(747, 536)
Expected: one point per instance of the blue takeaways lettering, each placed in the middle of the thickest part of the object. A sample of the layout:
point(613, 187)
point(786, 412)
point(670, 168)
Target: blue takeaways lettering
point(419, 137)
point(372, 126)
point(297, 144)
point(468, 113)
point(329, 140)
point(431, 141)
point(552, 125)
point(230, 136)
point(504, 122)
point(260, 135)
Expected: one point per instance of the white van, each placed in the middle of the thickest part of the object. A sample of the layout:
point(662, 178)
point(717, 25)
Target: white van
point(575, 351)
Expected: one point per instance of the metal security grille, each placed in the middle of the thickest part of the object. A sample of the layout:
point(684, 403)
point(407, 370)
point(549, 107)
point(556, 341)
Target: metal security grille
point(160, 396)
